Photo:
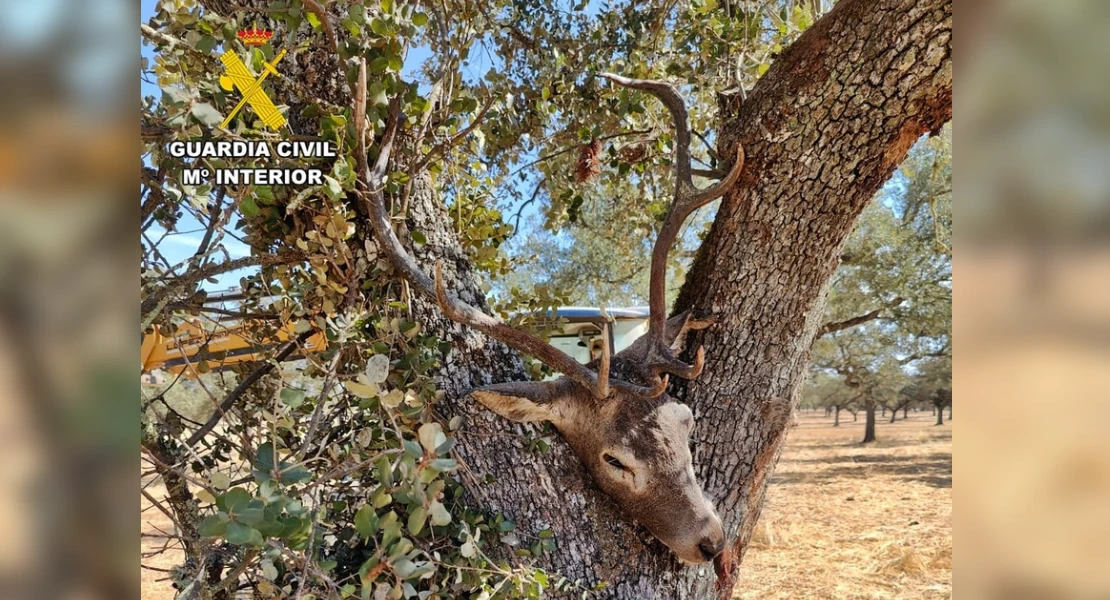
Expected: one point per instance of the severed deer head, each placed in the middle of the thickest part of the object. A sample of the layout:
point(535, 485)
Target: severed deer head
point(615, 413)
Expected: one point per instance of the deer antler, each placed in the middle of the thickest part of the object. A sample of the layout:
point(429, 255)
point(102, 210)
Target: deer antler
point(659, 359)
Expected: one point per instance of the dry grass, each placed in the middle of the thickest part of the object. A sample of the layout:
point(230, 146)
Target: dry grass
point(156, 557)
point(842, 521)
point(846, 521)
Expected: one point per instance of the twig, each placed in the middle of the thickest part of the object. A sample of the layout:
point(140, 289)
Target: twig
point(259, 371)
point(322, 14)
point(234, 574)
point(444, 147)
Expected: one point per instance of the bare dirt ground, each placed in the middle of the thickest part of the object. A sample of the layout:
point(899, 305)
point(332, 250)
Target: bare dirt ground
point(842, 521)
point(847, 521)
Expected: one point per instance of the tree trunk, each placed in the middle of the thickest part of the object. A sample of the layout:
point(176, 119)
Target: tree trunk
point(869, 424)
point(822, 130)
point(893, 414)
point(949, 412)
point(884, 411)
point(836, 419)
point(905, 413)
point(939, 411)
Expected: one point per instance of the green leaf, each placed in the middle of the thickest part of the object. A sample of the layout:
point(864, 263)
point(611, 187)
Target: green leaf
point(313, 19)
point(443, 464)
point(292, 397)
point(214, 525)
point(404, 568)
point(381, 497)
point(298, 474)
point(439, 514)
point(417, 518)
point(233, 499)
point(250, 516)
point(206, 43)
point(385, 471)
point(332, 187)
point(419, 238)
point(419, 19)
point(431, 436)
point(376, 93)
point(264, 459)
point(207, 114)
point(361, 390)
point(366, 521)
point(412, 449)
point(248, 207)
point(390, 532)
point(242, 535)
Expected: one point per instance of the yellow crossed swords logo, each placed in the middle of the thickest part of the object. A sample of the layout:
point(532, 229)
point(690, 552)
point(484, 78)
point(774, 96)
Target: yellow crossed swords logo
point(239, 77)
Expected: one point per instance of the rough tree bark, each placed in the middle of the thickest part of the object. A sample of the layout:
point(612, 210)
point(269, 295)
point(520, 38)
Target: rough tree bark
point(823, 129)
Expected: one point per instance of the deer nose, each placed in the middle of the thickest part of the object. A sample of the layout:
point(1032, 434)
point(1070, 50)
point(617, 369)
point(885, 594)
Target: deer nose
point(710, 548)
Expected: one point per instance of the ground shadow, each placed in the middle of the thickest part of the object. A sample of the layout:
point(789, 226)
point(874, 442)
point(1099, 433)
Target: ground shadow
point(932, 469)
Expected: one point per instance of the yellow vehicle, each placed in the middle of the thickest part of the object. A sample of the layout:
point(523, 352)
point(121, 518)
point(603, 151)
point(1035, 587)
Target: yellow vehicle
point(204, 344)
point(220, 343)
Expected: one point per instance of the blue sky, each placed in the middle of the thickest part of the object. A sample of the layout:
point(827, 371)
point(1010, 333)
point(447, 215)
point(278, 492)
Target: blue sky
point(180, 245)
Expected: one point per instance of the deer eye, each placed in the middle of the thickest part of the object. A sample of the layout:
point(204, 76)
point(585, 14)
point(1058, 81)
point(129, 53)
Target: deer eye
point(612, 460)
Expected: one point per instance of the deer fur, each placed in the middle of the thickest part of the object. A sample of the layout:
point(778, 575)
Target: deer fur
point(648, 437)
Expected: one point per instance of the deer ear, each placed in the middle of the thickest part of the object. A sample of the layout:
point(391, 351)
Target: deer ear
point(525, 401)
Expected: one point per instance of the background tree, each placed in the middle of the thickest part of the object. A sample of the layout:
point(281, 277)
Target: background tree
point(889, 304)
point(370, 472)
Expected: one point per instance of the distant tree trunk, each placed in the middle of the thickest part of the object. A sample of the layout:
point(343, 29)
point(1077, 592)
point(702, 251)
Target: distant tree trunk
point(855, 416)
point(836, 419)
point(893, 414)
point(905, 413)
point(884, 410)
point(869, 424)
point(939, 412)
point(949, 412)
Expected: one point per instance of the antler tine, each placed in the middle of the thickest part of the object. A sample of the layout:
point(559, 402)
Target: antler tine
point(369, 191)
point(603, 366)
point(463, 313)
point(686, 200)
point(669, 96)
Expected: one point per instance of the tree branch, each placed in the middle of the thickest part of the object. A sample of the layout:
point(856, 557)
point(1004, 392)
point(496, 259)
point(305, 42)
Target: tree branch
point(160, 297)
point(258, 372)
point(860, 320)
